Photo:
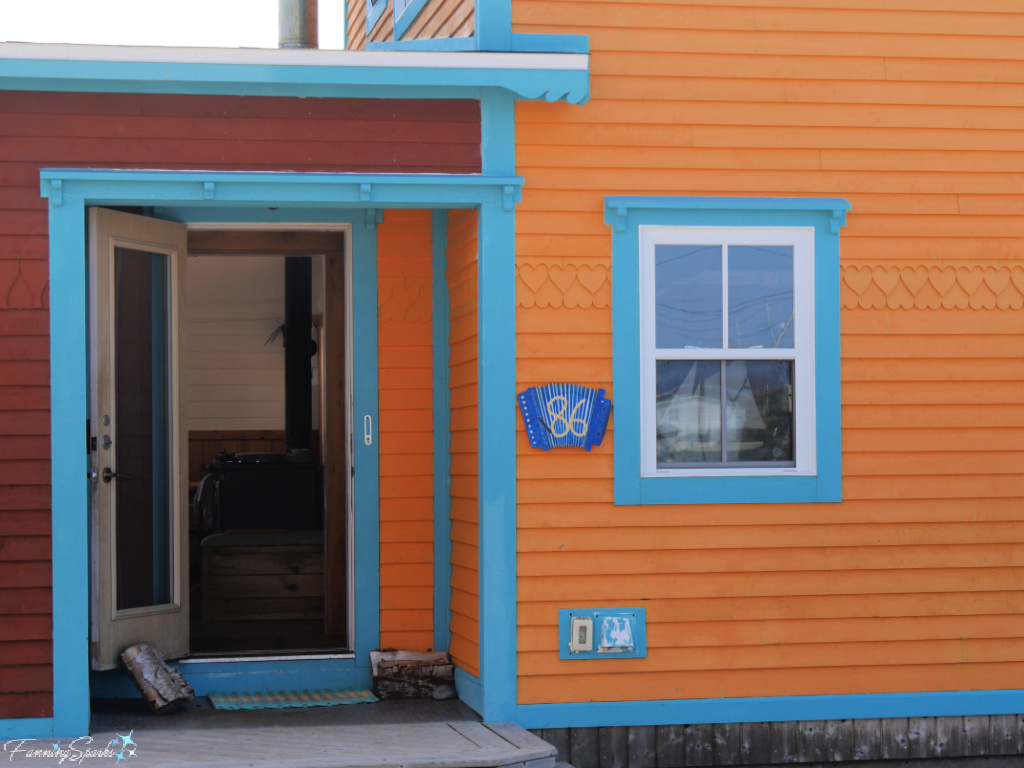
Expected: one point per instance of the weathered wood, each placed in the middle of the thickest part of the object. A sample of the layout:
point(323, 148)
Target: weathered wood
point(839, 740)
point(163, 688)
point(671, 746)
point(1020, 734)
point(559, 739)
point(755, 743)
point(584, 748)
point(921, 739)
point(642, 752)
point(867, 739)
point(894, 739)
point(976, 736)
point(1003, 735)
point(784, 741)
point(614, 747)
point(700, 741)
point(726, 743)
point(949, 736)
point(811, 741)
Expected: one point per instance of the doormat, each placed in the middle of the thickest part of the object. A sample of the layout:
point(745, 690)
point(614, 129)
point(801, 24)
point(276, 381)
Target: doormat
point(329, 697)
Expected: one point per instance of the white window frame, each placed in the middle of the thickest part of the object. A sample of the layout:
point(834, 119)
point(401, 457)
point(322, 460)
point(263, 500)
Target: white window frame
point(802, 354)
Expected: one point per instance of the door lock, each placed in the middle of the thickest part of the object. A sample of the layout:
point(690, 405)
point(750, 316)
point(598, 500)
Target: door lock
point(109, 474)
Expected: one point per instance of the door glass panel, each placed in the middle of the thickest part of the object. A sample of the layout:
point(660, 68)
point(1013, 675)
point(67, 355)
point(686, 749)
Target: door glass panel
point(141, 444)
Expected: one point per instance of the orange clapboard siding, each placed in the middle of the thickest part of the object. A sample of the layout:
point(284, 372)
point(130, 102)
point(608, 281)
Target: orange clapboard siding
point(442, 19)
point(465, 512)
point(404, 253)
point(913, 115)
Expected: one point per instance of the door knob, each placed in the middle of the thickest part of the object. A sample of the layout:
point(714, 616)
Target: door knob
point(109, 474)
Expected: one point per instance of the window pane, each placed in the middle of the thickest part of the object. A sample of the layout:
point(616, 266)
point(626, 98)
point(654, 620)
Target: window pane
point(759, 414)
point(689, 411)
point(761, 296)
point(688, 296)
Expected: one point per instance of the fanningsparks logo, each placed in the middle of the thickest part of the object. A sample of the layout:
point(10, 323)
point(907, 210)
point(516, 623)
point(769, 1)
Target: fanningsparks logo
point(120, 748)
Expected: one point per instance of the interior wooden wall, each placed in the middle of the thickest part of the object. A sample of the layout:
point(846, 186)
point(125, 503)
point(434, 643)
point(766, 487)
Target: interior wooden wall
point(465, 510)
point(406, 430)
point(912, 113)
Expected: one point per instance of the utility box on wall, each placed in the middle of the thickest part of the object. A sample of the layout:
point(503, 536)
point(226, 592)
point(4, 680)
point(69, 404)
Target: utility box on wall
point(602, 633)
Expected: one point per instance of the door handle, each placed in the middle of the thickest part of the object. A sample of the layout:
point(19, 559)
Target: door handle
point(109, 474)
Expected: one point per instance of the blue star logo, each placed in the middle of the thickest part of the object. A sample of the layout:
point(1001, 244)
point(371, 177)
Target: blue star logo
point(115, 741)
point(56, 747)
point(127, 745)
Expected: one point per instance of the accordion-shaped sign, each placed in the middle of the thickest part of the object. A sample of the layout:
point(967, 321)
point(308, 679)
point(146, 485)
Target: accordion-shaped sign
point(564, 415)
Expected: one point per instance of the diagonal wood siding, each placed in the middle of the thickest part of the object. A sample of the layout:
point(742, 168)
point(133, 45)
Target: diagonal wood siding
point(145, 131)
point(465, 470)
point(912, 111)
point(437, 19)
point(405, 362)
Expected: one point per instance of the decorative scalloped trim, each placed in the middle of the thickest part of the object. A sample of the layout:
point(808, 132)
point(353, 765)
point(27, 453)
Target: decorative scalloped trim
point(569, 285)
point(404, 300)
point(869, 286)
point(24, 285)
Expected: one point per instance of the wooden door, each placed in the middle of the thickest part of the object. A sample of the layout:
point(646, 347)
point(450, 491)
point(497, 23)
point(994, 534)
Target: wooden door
point(138, 443)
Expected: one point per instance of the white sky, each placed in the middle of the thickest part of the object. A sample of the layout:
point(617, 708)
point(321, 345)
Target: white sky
point(214, 23)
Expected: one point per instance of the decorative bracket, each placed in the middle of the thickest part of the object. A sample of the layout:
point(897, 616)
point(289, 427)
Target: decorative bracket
point(364, 192)
point(507, 197)
point(838, 219)
point(620, 219)
point(56, 194)
point(208, 187)
point(373, 217)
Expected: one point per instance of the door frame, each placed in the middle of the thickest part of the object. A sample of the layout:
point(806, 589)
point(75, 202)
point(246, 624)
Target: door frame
point(249, 197)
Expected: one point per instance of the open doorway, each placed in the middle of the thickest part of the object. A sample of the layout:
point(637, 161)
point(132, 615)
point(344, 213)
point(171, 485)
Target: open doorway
point(267, 383)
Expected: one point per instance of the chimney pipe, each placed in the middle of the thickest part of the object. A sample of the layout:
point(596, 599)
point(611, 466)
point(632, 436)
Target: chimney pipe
point(297, 23)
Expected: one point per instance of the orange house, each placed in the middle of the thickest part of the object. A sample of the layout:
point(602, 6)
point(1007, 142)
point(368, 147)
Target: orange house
point(783, 242)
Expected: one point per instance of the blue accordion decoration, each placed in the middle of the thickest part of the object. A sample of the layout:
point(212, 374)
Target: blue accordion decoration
point(564, 415)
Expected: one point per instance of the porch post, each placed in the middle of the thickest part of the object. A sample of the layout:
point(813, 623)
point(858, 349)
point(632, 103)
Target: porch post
point(497, 427)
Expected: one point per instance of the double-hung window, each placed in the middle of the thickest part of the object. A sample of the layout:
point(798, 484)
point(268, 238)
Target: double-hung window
point(726, 349)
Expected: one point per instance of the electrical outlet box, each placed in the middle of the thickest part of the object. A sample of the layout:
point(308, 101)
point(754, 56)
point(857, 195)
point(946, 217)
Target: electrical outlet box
point(582, 634)
point(602, 633)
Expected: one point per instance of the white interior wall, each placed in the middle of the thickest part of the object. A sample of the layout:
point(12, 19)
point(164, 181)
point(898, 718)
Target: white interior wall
point(235, 380)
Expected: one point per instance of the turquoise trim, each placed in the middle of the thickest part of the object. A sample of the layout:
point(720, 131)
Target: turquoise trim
point(247, 677)
point(407, 16)
point(374, 10)
point(497, 414)
point(470, 691)
point(446, 44)
point(26, 728)
point(492, 22)
point(769, 709)
point(355, 199)
point(418, 80)
point(626, 215)
point(442, 437)
point(69, 408)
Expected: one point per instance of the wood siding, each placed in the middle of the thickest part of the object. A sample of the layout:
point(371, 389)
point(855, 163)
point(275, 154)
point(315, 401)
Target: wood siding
point(406, 431)
point(145, 131)
point(913, 583)
point(465, 512)
point(442, 18)
point(437, 19)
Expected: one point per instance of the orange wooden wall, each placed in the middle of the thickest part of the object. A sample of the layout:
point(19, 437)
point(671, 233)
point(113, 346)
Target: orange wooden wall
point(404, 333)
point(465, 603)
point(914, 115)
point(438, 19)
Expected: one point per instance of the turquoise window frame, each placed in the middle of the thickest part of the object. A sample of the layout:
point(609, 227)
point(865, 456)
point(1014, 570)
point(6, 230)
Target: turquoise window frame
point(405, 17)
point(626, 214)
point(373, 13)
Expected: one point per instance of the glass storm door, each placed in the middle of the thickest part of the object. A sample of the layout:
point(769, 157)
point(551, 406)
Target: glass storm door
point(138, 442)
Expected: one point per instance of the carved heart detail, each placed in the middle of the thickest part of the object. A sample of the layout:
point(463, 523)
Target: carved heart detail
point(858, 278)
point(886, 279)
point(942, 279)
point(533, 275)
point(592, 278)
point(914, 279)
point(1017, 276)
point(997, 279)
point(970, 279)
point(562, 277)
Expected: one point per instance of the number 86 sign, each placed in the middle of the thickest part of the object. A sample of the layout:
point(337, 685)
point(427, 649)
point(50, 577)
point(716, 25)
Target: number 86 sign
point(564, 415)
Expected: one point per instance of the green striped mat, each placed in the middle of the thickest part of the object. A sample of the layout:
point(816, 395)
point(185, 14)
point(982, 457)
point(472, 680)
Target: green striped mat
point(328, 697)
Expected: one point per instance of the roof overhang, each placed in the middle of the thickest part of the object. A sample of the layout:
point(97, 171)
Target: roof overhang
point(304, 73)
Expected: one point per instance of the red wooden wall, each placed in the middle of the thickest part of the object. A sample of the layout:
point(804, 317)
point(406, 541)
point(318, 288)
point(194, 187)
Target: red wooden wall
point(40, 130)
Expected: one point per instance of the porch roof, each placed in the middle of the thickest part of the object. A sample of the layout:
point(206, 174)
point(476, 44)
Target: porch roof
point(291, 72)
